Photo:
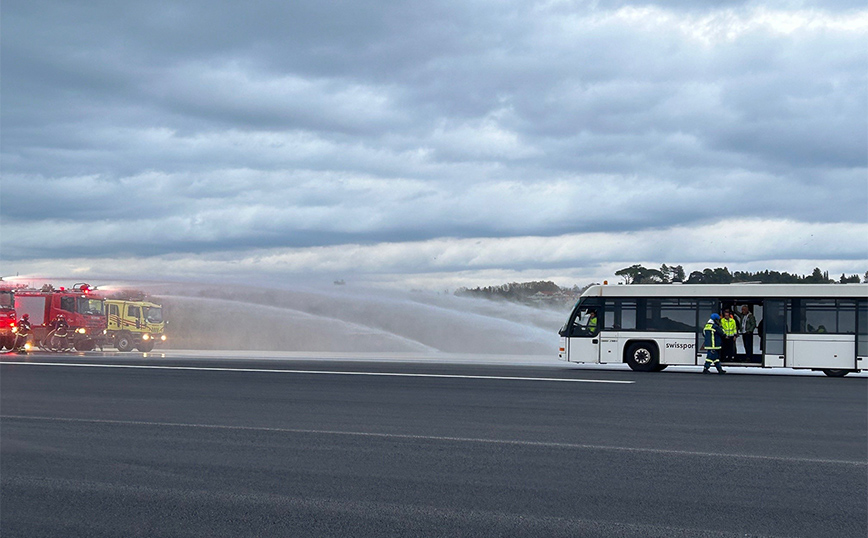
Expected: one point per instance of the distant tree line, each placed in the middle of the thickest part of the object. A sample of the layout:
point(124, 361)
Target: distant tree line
point(637, 274)
point(514, 291)
point(548, 293)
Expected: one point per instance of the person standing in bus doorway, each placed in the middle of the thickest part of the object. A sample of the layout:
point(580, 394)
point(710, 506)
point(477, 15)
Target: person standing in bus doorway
point(748, 325)
point(713, 338)
point(730, 331)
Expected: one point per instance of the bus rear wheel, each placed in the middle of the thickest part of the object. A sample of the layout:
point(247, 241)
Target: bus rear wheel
point(642, 357)
point(836, 373)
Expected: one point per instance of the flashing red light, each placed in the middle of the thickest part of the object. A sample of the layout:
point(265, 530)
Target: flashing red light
point(62, 288)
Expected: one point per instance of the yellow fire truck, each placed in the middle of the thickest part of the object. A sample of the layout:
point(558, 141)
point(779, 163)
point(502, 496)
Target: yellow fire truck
point(136, 324)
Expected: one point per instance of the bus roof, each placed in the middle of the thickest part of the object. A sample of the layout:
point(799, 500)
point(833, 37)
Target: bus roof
point(734, 291)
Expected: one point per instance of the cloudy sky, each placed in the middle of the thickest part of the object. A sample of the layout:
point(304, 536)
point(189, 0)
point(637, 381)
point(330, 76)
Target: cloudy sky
point(431, 144)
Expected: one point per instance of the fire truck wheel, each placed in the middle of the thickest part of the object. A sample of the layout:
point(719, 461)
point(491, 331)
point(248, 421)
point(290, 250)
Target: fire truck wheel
point(145, 347)
point(124, 342)
point(5, 343)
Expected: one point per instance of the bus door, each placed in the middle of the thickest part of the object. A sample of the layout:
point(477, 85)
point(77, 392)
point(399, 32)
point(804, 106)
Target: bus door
point(756, 308)
point(772, 331)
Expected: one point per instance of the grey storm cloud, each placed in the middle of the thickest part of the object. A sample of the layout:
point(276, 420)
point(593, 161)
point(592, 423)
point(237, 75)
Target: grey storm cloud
point(186, 128)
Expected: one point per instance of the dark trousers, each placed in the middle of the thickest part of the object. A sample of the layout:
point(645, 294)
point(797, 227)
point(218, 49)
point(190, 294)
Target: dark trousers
point(747, 339)
point(727, 349)
point(712, 358)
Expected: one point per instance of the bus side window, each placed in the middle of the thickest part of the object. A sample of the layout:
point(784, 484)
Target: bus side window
point(818, 316)
point(628, 315)
point(847, 317)
point(612, 315)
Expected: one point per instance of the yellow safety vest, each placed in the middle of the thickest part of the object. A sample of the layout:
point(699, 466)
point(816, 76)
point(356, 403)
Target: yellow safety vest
point(729, 326)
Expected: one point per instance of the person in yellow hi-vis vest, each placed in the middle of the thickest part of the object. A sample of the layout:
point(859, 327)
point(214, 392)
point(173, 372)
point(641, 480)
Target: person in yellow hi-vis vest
point(592, 323)
point(730, 330)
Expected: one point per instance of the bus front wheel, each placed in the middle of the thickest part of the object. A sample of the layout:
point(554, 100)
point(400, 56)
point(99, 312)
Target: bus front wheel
point(836, 373)
point(642, 357)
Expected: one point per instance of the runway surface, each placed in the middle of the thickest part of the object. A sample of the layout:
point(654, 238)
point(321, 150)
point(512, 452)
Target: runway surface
point(205, 444)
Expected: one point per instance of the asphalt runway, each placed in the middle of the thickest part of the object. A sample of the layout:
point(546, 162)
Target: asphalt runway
point(207, 445)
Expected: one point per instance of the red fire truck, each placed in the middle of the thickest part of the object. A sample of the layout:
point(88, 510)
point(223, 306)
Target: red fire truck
point(83, 311)
point(7, 318)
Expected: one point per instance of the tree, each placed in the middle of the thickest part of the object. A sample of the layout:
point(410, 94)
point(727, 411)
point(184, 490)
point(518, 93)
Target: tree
point(666, 271)
point(719, 275)
point(695, 277)
point(629, 273)
point(817, 277)
point(636, 274)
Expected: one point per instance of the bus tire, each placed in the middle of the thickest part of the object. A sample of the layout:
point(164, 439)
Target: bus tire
point(836, 373)
point(124, 342)
point(145, 347)
point(642, 357)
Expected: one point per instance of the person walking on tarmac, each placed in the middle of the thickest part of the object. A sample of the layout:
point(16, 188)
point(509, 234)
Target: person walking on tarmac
point(730, 331)
point(713, 338)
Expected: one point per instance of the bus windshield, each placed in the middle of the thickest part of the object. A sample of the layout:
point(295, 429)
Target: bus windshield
point(153, 314)
point(89, 307)
point(583, 321)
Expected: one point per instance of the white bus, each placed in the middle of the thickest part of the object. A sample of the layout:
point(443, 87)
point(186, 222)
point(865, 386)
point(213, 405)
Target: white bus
point(651, 326)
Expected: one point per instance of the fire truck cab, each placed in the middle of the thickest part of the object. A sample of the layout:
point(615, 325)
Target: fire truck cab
point(84, 312)
point(136, 324)
point(7, 319)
